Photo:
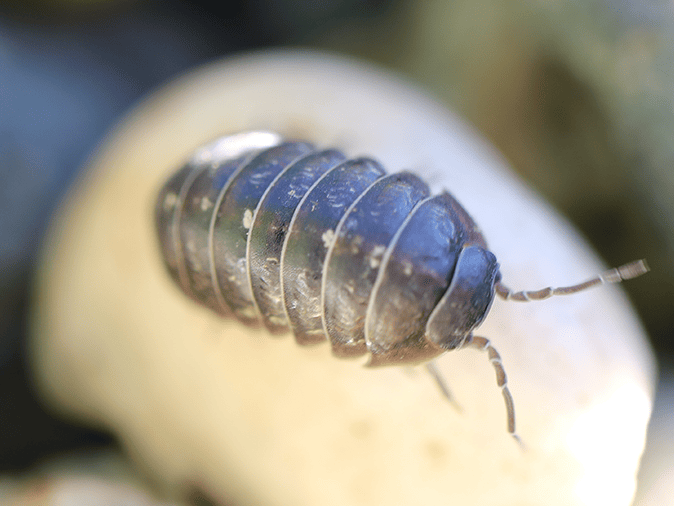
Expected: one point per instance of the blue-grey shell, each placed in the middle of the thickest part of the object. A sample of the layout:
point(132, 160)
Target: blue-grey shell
point(279, 233)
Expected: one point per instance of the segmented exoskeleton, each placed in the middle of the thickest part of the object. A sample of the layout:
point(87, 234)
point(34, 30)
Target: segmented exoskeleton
point(279, 233)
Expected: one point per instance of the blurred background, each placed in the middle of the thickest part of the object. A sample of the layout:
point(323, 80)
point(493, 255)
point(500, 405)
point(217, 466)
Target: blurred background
point(577, 95)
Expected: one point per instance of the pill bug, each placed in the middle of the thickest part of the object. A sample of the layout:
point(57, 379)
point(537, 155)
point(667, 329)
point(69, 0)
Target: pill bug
point(278, 233)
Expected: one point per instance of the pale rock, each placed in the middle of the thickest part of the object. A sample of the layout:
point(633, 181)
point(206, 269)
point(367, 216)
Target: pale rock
point(258, 420)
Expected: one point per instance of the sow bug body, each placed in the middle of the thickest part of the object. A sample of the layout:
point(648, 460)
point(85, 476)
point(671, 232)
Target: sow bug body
point(281, 234)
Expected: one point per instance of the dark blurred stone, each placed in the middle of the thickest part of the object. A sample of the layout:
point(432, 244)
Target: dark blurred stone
point(27, 431)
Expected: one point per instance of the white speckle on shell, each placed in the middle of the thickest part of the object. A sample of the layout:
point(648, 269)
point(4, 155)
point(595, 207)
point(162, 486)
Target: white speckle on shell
point(328, 238)
point(247, 219)
point(375, 256)
point(170, 201)
point(206, 204)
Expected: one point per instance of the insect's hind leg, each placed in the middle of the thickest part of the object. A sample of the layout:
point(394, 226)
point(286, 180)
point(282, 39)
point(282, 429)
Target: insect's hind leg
point(442, 384)
point(482, 343)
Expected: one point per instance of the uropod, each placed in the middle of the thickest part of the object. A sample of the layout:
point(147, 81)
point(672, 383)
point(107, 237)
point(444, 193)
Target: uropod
point(276, 232)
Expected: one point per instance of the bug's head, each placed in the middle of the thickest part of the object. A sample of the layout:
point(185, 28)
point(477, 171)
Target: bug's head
point(467, 300)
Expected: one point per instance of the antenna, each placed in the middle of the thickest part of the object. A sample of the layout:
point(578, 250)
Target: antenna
point(616, 275)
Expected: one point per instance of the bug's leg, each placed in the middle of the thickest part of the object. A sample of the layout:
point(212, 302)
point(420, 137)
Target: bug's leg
point(482, 343)
point(442, 384)
point(616, 275)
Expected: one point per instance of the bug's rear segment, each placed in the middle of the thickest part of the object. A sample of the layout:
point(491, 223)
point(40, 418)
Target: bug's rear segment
point(184, 210)
point(281, 234)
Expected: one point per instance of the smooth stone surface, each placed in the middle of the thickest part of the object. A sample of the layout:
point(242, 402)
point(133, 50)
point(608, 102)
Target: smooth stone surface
point(656, 476)
point(258, 420)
